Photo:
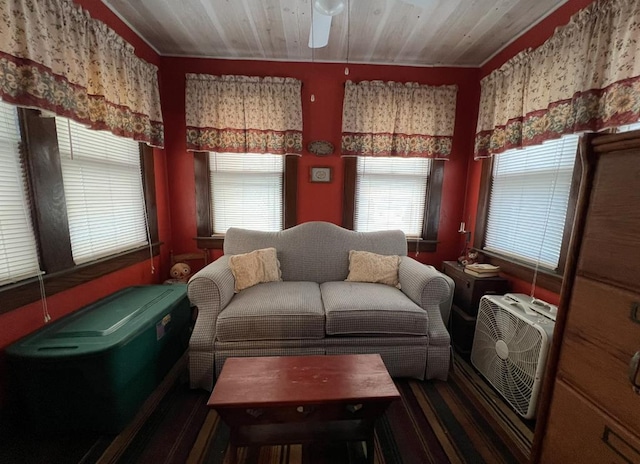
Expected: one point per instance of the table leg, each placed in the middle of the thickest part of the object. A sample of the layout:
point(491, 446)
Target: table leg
point(233, 453)
point(370, 441)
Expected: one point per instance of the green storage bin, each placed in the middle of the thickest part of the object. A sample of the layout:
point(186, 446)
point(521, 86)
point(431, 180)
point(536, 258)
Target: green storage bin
point(93, 369)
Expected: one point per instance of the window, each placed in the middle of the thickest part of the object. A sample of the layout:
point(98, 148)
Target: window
point(18, 251)
point(82, 219)
point(529, 199)
point(629, 127)
point(390, 194)
point(248, 190)
point(103, 191)
point(394, 193)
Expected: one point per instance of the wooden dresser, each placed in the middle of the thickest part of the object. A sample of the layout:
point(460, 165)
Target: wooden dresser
point(591, 405)
point(466, 299)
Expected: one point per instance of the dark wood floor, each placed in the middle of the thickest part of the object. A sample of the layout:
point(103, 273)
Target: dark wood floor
point(436, 411)
point(515, 430)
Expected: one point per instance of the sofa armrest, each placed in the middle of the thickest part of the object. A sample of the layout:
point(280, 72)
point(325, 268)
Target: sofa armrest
point(210, 289)
point(431, 290)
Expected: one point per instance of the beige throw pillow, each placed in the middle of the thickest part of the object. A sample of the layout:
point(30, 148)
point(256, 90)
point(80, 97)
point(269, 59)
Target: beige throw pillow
point(371, 267)
point(250, 269)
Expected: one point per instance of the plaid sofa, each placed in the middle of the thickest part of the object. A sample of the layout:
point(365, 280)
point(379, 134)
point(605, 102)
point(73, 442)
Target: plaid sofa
point(313, 310)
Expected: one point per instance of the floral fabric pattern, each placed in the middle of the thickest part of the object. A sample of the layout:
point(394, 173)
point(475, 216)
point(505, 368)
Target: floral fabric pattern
point(585, 77)
point(55, 57)
point(396, 119)
point(243, 114)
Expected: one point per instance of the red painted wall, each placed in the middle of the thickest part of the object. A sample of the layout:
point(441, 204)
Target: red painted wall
point(532, 39)
point(322, 120)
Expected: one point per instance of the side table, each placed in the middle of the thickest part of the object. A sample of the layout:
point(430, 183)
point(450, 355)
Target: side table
point(466, 299)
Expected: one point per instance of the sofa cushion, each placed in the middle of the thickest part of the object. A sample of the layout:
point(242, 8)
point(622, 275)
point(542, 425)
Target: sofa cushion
point(249, 269)
point(365, 266)
point(273, 311)
point(359, 308)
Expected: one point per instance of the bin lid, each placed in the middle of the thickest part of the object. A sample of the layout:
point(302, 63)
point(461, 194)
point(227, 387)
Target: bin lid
point(103, 324)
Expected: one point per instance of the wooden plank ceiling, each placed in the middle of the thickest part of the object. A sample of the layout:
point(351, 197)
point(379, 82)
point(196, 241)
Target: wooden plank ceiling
point(440, 32)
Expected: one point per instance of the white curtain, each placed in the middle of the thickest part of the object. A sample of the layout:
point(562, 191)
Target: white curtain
point(55, 57)
point(397, 119)
point(243, 114)
point(584, 77)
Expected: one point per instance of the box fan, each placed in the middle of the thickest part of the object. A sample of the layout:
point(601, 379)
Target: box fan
point(510, 346)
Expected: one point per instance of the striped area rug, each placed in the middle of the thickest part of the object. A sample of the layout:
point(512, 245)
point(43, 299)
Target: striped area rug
point(434, 422)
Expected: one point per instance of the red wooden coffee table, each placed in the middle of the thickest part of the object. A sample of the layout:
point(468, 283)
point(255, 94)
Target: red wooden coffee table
point(300, 399)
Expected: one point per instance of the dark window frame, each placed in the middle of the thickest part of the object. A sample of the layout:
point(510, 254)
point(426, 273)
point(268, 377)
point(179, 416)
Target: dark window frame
point(205, 239)
point(40, 156)
point(546, 279)
point(433, 196)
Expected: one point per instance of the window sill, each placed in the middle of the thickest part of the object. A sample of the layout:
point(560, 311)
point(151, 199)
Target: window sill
point(546, 279)
point(419, 244)
point(216, 242)
point(27, 291)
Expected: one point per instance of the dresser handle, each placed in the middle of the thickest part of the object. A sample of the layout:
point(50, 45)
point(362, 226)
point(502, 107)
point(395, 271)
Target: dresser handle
point(634, 372)
point(635, 312)
point(620, 446)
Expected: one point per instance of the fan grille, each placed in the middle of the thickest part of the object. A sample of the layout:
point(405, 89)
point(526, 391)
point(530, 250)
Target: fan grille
point(515, 377)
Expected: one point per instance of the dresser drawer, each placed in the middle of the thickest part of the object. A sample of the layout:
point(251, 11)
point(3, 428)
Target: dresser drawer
point(611, 240)
point(577, 432)
point(599, 342)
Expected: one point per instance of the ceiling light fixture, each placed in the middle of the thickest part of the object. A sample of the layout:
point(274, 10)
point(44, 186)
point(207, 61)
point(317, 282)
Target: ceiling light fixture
point(328, 7)
point(322, 12)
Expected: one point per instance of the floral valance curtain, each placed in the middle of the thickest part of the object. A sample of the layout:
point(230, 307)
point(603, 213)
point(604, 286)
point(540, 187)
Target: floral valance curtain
point(55, 57)
point(396, 119)
point(585, 77)
point(242, 114)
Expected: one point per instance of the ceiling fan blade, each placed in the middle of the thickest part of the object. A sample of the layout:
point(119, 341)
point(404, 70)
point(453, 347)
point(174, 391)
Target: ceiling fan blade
point(319, 33)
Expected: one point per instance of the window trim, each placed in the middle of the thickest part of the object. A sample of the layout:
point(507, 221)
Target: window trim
point(205, 239)
point(40, 151)
point(546, 279)
point(429, 239)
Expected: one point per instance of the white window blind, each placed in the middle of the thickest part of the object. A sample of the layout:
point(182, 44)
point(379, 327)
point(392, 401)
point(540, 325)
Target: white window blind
point(246, 191)
point(629, 127)
point(390, 194)
point(18, 249)
point(103, 190)
point(528, 203)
